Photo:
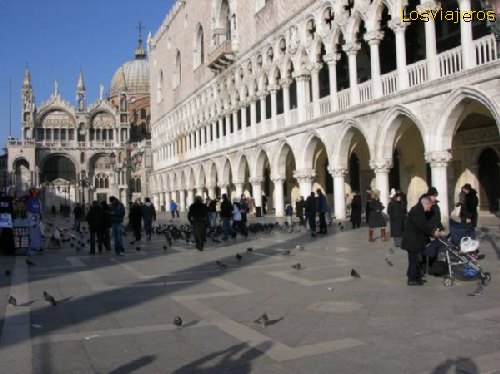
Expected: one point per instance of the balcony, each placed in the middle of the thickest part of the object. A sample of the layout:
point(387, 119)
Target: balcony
point(221, 56)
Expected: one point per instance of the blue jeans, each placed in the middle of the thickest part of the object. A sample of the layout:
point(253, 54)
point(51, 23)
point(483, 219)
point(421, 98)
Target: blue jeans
point(226, 227)
point(213, 220)
point(148, 227)
point(118, 237)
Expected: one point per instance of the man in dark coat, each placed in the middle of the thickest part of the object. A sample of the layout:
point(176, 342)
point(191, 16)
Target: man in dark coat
point(79, 214)
point(226, 213)
point(198, 217)
point(149, 216)
point(95, 219)
point(135, 219)
point(322, 209)
point(376, 218)
point(106, 237)
point(468, 209)
point(117, 211)
point(417, 231)
point(311, 213)
point(397, 216)
point(356, 207)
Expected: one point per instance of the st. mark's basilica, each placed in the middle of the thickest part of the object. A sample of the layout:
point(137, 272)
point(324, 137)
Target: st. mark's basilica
point(88, 151)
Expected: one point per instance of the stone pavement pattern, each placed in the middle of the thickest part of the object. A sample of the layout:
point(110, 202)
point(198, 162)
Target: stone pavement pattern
point(115, 313)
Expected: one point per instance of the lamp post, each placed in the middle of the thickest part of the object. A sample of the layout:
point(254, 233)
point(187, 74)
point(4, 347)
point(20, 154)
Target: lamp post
point(84, 183)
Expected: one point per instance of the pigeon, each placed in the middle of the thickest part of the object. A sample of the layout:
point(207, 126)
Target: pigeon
point(30, 263)
point(49, 298)
point(389, 262)
point(299, 247)
point(178, 321)
point(341, 227)
point(391, 251)
point(355, 274)
point(262, 320)
point(250, 250)
point(238, 257)
point(285, 253)
point(477, 292)
point(221, 264)
point(132, 242)
point(331, 289)
point(164, 247)
point(137, 249)
point(7, 273)
point(12, 300)
point(297, 266)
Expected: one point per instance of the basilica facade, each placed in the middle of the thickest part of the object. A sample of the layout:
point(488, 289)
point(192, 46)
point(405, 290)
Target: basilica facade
point(85, 152)
point(277, 98)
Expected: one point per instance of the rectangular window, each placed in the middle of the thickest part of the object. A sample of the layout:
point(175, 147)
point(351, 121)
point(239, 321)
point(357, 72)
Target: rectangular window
point(268, 106)
point(257, 111)
point(249, 115)
point(238, 118)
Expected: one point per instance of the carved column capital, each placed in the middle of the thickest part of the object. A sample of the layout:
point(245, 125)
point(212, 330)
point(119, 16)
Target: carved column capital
point(351, 48)
point(374, 37)
point(381, 166)
point(256, 180)
point(278, 178)
point(438, 159)
point(304, 175)
point(428, 5)
point(338, 172)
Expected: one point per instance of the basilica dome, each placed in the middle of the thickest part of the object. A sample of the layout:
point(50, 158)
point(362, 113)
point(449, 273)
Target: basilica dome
point(133, 76)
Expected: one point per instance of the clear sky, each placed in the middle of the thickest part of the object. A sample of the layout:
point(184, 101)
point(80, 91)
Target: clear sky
point(57, 37)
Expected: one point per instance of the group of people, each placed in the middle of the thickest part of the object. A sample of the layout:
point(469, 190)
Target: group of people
point(139, 213)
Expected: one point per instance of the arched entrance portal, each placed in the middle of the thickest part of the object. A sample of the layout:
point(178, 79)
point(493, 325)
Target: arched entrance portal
point(59, 182)
point(489, 180)
point(22, 176)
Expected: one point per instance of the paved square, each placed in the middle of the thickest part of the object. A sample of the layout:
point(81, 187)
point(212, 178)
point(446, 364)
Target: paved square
point(115, 314)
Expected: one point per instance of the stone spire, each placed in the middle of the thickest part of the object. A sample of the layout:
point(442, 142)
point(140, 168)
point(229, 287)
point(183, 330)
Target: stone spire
point(27, 78)
point(80, 86)
point(28, 104)
point(81, 93)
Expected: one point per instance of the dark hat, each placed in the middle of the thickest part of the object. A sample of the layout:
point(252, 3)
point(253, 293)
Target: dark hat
point(467, 186)
point(432, 191)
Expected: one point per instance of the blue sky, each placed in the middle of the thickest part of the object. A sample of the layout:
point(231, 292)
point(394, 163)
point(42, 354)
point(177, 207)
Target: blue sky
point(57, 37)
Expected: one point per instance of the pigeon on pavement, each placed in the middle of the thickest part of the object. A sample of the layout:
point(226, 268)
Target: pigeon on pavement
point(299, 247)
point(221, 264)
point(12, 300)
point(262, 320)
point(238, 257)
point(286, 253)
point(389, 262)
point(391, 251)
point(250, 249)
point(297, 266)
point(178, 321)
point(49, 298)
point(355, 274)
point(30, 263)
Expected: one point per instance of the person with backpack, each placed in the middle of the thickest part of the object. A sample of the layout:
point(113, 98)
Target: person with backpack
point(322, 209)
point(117, 211)
point(34, 210)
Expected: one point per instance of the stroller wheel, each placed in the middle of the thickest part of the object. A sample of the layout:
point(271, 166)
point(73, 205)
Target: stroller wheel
point(448, 281)
point(485, 279)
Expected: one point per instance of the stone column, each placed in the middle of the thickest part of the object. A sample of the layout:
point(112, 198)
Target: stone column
point(305, 179)
point(468, 52)
point(332, 75)
point(274, 107)
point(279, 199)
point(182, 202)
point(374, 38)
point(302, 86)
point(211, 192)
point(221, 132)
point(253, 117)
point(159, 200)
point(223, 188)
point(285, 85)
point(228, 128)
point(439, 166)
point(199, 191)
point(315, 89)
point(430, 39)
point(262, 97)
point(167, 200)
point(239, 187)
point(243, 110)
point(339, 204)
point(256, 183)
point(381, 168)
point(190, 197)
point(399, 28)
point(352, 50)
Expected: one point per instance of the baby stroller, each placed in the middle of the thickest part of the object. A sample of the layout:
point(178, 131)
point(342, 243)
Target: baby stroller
point(458, 250)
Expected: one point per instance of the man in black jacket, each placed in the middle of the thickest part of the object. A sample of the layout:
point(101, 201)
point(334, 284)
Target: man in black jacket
point(198, 217)
point(416, 233)
point(311, 213)
point(226, 213)
point(95, 218)
point(468, 209)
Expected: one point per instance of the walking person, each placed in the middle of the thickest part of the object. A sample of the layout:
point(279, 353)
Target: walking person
point(148, 216)
point(322, 209)
point(310, 207)
point(289, 213)
point(356, 208)
point(417, 231)
point(95, 219)
point(397, 217)
point(212, 215)
point(198, 217)
point(299, 210)
point(135, 219)
point(173, 209)
point(226, 213)
point(117, 211)
point(238, 219)
point(376, 218)
point(106, 227)
point(79, 216)
point(34, 210)
point(468, 209)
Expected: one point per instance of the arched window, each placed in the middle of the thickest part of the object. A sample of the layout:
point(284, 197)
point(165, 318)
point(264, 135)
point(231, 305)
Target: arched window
point(160, 87)
point(199, 52)
point(177, 74)
point(123, 103)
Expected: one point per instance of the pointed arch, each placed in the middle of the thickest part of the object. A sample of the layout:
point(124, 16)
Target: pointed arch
point(343, 138)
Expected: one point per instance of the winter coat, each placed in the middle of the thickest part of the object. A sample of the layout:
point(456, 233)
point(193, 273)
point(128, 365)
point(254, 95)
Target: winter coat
point(117, 212)
point(310, 206)
point(356, 207)
point(418, 230)
point(376, 219)
point(135, 215)
point(226, 209)
point(212, 206)
point(173, 206)
point(468, 208)
point(79, 213)
point(288, 210)
point(148, 211)
point(434, 216)
point(367, 210)
point(236, 212)
point(321, 204)
point(299, 208)
point(198, 217)
point(397, 217)
point(95, 218)
point(106, 215)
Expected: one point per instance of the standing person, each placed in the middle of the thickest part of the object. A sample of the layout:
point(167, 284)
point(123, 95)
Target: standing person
point(238, 219)
point(356, 207)
point(244, 210)
point(226, 213)
point(397, 218)
point(198, 217)
point(212, 215)
point(117, 211)
point(148, 216)
point(468, 209)
point(367, 205)
point(299, 210)
point(289, 213)
point(95, 219)
point(106, 227)
point(434, 218)
point(322, 209)
point(376, 220)
point(135, 219)
point(310, 208)
point(417, 231)
point(264, 205)
point(173, 209)
point(79, 215)
point(34, 210)
point(404, 198)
